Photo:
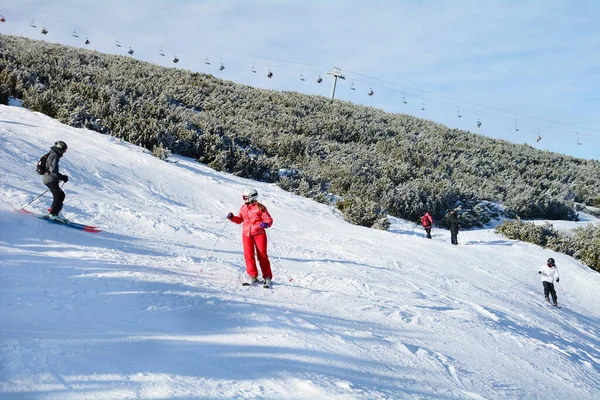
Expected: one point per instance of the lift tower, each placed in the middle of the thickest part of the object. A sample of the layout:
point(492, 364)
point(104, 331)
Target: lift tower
point(336, 73)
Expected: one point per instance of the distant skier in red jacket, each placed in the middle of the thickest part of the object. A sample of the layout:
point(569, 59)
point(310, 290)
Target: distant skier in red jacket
point(427, 223)
point(254, 218)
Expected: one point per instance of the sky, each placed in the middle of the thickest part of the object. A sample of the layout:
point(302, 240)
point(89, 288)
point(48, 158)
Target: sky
point(511, 64)
point(152, 307)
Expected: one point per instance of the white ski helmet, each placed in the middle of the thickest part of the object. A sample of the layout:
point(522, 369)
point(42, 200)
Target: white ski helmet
point(250, 195)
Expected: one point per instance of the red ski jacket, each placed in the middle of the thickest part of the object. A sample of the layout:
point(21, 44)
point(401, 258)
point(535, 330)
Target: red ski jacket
point(251, 216)
point(426, 221)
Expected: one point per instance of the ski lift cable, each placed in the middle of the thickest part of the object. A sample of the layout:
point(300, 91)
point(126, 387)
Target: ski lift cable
point(490, 112)
point(473, 103)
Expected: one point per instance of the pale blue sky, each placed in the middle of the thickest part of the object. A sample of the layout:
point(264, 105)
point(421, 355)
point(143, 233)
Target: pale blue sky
point(520, 59)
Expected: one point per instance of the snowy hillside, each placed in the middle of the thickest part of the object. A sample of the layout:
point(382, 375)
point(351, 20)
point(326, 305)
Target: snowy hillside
point(138, 311)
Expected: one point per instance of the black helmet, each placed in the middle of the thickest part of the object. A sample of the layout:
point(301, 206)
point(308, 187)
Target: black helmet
point(551, 261)
point(61, 145)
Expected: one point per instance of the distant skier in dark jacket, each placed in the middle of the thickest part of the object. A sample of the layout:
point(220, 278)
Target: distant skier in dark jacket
point(549, 274)
point(53, 177)
point(453, 221)
point(427, 222)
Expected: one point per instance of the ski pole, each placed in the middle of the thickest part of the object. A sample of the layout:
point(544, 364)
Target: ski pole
point(281, 262)
point(33, 200)
point(63, 184)
point(215, 245)
point(563, 292)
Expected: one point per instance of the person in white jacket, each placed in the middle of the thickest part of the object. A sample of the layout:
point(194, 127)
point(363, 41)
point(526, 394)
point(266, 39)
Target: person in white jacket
point(549, 274)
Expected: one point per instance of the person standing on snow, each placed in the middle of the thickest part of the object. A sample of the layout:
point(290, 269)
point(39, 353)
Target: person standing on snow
point(427, 223)
point(453, 221)
point(254, 218)
point(549, 274)
point(53, 177)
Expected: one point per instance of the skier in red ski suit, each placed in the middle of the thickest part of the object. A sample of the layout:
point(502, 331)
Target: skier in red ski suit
point(254, 218)
point(427, 223)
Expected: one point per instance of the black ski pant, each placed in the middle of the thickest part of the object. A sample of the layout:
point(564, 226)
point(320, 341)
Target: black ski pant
point(549, 290)
point(58, 197)
point(428, 231)
point(454, 233)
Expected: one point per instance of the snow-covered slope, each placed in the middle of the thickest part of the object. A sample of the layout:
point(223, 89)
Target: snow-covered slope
point(141, 310)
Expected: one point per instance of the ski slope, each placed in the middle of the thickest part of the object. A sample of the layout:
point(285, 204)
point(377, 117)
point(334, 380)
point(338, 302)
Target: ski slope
point(145, 310)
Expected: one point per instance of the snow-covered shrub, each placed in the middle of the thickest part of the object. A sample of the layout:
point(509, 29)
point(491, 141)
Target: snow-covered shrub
point(161, 152)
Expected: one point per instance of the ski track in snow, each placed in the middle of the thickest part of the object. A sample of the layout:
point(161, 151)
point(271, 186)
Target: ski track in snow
point(145, 310)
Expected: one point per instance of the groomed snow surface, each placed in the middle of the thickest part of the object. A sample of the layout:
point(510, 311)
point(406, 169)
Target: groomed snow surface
point(145, 310)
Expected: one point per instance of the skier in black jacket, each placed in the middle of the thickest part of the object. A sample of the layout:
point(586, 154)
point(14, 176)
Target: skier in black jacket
point(53, 177)
point(453, 221)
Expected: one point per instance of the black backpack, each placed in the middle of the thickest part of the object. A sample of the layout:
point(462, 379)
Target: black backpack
point(41, 165)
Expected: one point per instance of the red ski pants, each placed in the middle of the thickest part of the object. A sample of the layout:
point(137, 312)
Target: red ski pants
point(260, 244)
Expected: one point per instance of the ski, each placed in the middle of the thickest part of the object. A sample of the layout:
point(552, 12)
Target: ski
point(74, 225)
point(251, 284)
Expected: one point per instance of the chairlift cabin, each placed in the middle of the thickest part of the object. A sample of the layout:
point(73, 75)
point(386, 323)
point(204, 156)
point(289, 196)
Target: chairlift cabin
point(301, 76)
point(161, 52)
point(32, 24)
point(175, 59)
point(221, 67)
point(2, 19)
point(516, 127)
point(206, 61)
point(75, 34)
point(352, 85)
point(117, 43)
point(87, 41)
point(130, 52)
point(404, 99)
point(253, 70)
point(371, 93)
point(270, 74)
point(538, 138)
point(422, 106)
point(458, 112)
point(44, 31)
point(478, 123)
point(319, 79)
point(578, 141)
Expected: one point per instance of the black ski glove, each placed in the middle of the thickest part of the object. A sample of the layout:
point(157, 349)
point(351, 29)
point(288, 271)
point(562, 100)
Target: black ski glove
point(539, 272)
point(65, 178)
